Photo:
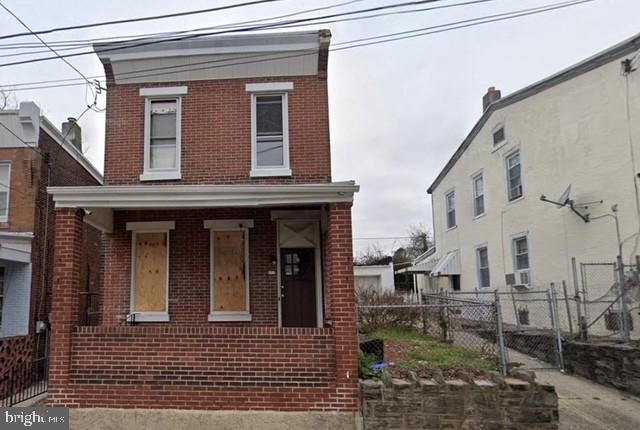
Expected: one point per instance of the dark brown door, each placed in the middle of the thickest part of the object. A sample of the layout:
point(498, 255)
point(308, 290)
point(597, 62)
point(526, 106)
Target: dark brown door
point(298, 292)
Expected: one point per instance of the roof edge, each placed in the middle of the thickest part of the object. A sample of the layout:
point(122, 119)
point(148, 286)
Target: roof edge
point(603, 57)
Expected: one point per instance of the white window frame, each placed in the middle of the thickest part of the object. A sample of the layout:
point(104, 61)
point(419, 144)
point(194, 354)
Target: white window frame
point(6, 188)
point(228, 225)
point(148, 227)
point(270, 89)
point(478, 268)
point(474, 178)
point(446, 206)
point(154, 94)
point(516, 271)
point(507, 157)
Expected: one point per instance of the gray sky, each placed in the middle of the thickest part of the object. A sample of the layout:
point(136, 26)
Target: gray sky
point(398, 110)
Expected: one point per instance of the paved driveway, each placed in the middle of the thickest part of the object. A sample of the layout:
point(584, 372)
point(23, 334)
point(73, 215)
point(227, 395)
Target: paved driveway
point(584, 404)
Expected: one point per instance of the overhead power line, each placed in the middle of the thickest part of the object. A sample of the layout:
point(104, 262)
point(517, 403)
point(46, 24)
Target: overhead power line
point(128, 44)
point(391, 37)
point(73, 45)
point(141, 19)
point(80, 43)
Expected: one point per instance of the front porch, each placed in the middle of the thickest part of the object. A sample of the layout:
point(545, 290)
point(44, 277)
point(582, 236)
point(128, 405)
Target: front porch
point(221, 306)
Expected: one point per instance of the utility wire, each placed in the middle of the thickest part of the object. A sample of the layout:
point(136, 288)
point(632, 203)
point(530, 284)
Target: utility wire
point(141, 19)
point(45, 43)
point(161, 36)
point(269, 57)
point(116, 47)
point(78, 44)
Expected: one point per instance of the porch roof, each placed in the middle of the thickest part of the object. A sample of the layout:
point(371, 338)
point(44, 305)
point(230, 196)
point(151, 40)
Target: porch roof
point(102, 200)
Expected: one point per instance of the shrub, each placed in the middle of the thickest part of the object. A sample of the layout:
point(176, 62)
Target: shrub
point(365, 366)
point(384, 315)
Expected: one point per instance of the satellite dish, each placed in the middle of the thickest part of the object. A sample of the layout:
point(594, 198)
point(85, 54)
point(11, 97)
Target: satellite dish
point(565, 197)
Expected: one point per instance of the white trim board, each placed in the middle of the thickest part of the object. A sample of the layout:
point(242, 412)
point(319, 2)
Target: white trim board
point(201, 196)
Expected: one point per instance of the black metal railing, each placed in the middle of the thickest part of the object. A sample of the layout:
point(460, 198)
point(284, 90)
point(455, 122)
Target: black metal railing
point(24, 381)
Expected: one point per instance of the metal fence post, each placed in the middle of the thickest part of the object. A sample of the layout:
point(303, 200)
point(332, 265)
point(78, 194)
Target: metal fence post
point(502, 349)
point(556, 322)
point(582, 324)
point(566, 303)
point(623, 300)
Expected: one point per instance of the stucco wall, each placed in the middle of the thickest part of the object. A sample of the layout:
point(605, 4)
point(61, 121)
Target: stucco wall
point(573, 133)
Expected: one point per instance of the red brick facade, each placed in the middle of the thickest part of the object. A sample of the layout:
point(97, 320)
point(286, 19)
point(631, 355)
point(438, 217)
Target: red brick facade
point(189, 362)
point(216, 132)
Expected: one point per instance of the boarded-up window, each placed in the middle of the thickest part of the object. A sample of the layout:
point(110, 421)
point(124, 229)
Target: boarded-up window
point(150, 294)
point(229, 271)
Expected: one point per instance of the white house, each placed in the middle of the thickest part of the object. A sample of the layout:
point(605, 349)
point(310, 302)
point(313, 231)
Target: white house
point(573, 137)
point(379, 277)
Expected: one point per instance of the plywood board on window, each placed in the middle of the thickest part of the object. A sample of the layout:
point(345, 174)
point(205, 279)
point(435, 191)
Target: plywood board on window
point(230, 292)
point(151, 272)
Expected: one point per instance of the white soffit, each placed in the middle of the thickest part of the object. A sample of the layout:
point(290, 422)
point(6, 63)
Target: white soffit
point(201, 196)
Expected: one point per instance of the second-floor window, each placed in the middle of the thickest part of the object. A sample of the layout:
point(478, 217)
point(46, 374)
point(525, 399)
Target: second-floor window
point(270, 129)
point(162, 132)
point(451, 209)
point(478, 195)
point(514, 177)
point(5, 187)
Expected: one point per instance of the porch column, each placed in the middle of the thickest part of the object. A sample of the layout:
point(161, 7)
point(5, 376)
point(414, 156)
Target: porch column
point(343, 301)
point(66, 293)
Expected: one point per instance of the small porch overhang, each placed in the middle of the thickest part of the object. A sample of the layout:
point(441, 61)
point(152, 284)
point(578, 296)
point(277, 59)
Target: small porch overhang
point(16, 247)
point(447, 265)
point(101, 201)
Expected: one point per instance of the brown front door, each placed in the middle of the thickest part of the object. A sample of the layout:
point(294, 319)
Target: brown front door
point(298, 292)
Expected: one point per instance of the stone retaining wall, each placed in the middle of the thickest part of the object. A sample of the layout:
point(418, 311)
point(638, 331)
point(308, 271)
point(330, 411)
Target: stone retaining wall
point(476, 404)
point(609, 364)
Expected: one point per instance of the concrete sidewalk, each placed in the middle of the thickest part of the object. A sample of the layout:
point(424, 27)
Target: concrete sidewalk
point(586, 405)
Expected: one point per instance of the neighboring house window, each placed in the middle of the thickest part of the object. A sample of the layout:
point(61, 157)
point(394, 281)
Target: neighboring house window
point(1, 294)
point(498, 136)
point(451, 209)
point(478, 195)
point(5, 187)
point(521, 258)
point(162, 133)
point(150, 270)
point(514, 176)
point(270, 129)
point(482, 258)
point(229, 270)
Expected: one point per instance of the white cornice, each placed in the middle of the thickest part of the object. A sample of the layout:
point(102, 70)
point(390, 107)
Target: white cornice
point(201, 196)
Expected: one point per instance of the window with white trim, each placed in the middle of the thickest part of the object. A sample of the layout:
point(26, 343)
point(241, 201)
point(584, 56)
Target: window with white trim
point(270, 129)
point(520, 253)
point(162, 133)
point(514, 176)
point(482, 260)
point(478, 195)
point(5, 188)
point(229, 270)
point(150, 270)
point(450, 199)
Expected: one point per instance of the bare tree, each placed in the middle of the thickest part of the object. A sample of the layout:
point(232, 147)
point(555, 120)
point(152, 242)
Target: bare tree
point(420, 240)
point(372, 256)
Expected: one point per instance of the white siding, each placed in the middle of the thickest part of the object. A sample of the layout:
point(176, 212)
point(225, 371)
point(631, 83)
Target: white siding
point(573, 133)
point(381, 277)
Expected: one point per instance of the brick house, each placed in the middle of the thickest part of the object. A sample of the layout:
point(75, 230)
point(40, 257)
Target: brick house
point(228, 279)
point(34, 154)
